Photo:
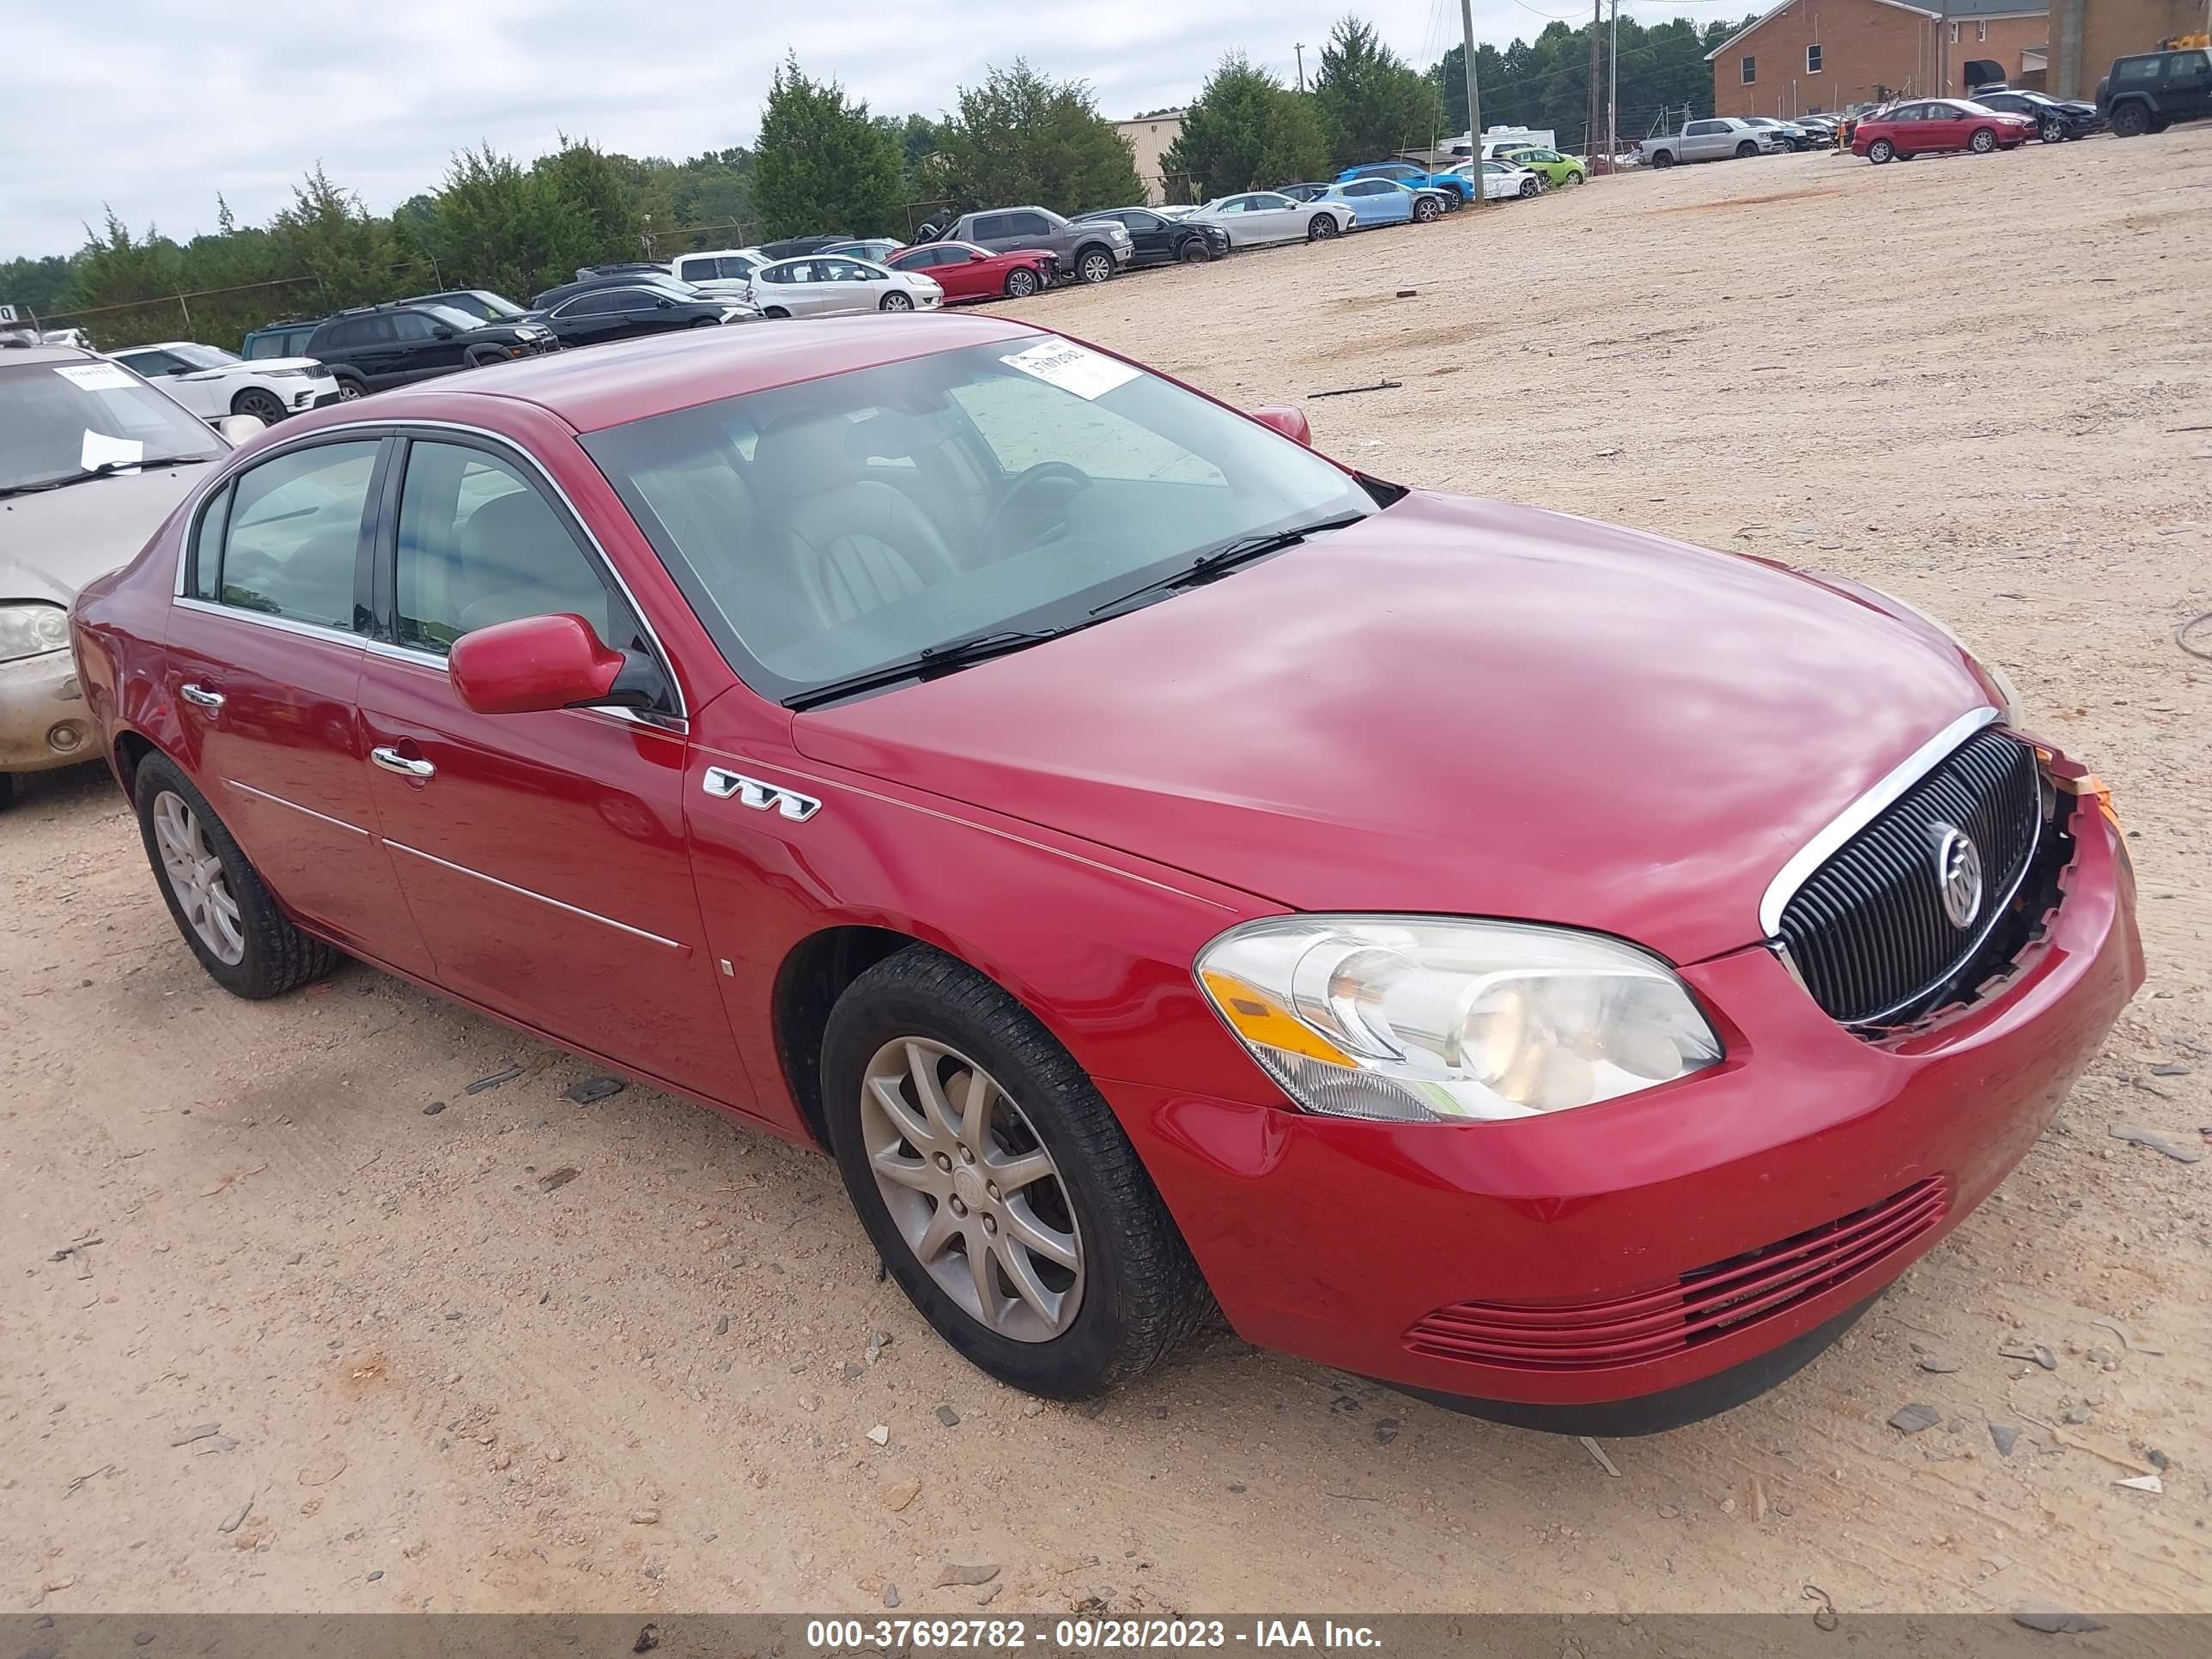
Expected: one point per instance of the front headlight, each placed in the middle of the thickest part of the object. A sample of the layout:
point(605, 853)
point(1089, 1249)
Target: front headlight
point(293, 373)
point(1999, 683)
point(31, 629)
point(1411, 1019)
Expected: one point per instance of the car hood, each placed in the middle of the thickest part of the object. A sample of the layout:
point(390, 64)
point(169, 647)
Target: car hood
point(1456, 707)
point(55, 541)
point(262, 365)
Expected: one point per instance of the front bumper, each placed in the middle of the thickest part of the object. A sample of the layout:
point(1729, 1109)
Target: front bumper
point(44, 722)
point(1332, 1238)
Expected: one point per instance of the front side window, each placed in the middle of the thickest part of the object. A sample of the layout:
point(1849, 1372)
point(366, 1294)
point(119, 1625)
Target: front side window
point(478, 545)
point(413, 327)
point(62, 422)
point(1028, 224)
point(1812, 60)
point(1272, 203)
point(1018, 484)
point(294, 535)
point(148, 363)
point(1750, 70)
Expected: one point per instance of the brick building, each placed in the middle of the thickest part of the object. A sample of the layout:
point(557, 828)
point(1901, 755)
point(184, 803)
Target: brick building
point(2085, 35)
point(1808, 56)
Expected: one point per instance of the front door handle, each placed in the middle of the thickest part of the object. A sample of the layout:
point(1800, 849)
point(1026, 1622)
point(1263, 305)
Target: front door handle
point(393, 760)
point(200, 697)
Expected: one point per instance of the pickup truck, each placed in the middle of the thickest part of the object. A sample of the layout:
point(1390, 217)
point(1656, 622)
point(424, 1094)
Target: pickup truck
point(1714, 139)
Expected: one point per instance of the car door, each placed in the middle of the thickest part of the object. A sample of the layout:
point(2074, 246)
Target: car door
point(956, 268)
point(372, 346)
point(858, 288)
point(202, 395)
point(1151, 239)
point(2188, 89)
point(266, 644)
point(639, 311)
point(426, 347)
point(583, 320)
point(544, 855)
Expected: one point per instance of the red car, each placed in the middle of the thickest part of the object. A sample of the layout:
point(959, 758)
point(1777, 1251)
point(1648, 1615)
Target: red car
point(1927, 125)
point(1163, 866)
point(966, 272)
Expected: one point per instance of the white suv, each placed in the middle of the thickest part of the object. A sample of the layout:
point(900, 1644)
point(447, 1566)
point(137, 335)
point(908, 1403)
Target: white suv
point(213, 383)
point(723, 273)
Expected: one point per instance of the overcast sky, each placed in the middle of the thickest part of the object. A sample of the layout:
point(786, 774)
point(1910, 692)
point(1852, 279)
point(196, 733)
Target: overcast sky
point(153, 106)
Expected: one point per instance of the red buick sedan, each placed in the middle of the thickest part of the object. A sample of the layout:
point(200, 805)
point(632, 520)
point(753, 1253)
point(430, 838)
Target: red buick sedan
point(1557, 971)
point(1929, 125)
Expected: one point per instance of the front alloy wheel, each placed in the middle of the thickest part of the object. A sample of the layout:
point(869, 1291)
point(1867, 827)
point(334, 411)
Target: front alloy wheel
point(1982, 141)
point(897, 299)
point(264, 406)
point(1020, 284)
point(2053, 133)
point(1322, 226)
point(1094, 266)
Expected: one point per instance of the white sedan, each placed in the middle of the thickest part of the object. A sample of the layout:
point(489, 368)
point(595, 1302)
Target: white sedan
point(1502, 180)
point(1261, 217)
point(835, 286)
point(212, 383)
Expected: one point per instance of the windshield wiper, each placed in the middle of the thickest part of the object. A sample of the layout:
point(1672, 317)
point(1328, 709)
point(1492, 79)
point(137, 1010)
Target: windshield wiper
point(928, 663)
point(105, 470)
point(1219, 561)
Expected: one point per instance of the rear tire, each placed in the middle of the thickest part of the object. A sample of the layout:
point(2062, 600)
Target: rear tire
point(176, 825)
point(1664, 158)
point(1880, 151)
point(1133, 1292)
point(775, 311)
point(349, 389)
point(2131, 120)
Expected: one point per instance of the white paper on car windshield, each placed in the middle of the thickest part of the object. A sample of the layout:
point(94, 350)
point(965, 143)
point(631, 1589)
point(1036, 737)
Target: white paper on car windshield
point(1072, 367)
point(101, 450)
point(95, 377)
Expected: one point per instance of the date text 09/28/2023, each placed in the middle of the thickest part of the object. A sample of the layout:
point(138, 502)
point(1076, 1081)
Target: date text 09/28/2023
point(1081, 1635)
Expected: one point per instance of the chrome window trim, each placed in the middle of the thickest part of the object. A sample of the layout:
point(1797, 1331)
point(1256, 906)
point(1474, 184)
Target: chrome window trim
point(525, 892)
point(506, 445)
point(345, 636)
point(279, 800)
point(1861, 812)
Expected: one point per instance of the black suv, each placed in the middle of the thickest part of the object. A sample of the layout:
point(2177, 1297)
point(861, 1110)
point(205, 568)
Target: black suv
point(2148, 91)
point(393, 344)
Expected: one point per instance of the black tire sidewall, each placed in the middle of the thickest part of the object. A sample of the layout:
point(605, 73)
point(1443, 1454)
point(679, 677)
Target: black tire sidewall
point(262, 971)
point(248, 401)
point(1014, 292)
point(1007, 1042)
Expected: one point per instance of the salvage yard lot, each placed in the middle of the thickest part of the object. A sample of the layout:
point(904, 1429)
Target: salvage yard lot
point(500, 1350)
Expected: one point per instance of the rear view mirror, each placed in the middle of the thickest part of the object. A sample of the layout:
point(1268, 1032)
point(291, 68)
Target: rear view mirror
point(1286, 420)
point(533, 664)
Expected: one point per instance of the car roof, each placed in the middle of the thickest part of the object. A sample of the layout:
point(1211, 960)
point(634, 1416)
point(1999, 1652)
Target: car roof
point(633, 379)
point(46, 354)
point(152, 345)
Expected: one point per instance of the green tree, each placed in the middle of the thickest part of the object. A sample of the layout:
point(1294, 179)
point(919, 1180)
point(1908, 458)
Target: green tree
point(43, 284)
point(589, 186)
point(1020, 138)
point(1247, 129)
point(328, 235)
point(823, 165)
point(1372, 102)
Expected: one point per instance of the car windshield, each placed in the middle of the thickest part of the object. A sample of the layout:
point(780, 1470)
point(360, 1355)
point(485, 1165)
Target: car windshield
point(60, 420)
point(204, 356)
point(829, 528)
point(451, 316)
point(493, 306)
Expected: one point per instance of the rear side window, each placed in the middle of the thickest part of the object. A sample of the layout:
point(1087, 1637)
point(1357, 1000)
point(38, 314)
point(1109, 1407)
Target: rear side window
point(478, 545)
point(698, 270)
point(293, 535)
point(2138, 70)
point(993, 224)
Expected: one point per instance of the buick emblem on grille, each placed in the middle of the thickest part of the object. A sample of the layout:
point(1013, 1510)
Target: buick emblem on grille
point(1957, 874)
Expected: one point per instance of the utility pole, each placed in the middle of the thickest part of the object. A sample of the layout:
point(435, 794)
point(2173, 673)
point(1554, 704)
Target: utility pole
point(1481, 196)
point(1589, 121)
point(1300, 48)
point(1613, 94)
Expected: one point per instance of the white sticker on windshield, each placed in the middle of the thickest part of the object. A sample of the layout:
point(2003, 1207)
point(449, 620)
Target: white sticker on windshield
point(95, 377)
point(101, 450)
point(1073, 368)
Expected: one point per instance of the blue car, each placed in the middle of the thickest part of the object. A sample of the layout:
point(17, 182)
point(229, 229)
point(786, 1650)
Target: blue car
point(1386, 202)
point(1458, 192)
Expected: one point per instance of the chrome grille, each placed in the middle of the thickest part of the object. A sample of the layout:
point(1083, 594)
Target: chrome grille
point(1867, 930)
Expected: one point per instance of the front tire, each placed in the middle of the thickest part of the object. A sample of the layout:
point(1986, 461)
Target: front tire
point(215, 896)
point(1984, 141)
point(1093, 265)
point(1881, 151)
point(1426, 211)
point(996, 1184)
point(1530, 188)
point(264, 406)
point(1746, 149)
point(1322, 228)
point(775, 311)
point(1020, 284)
point(1195, 250)
point(2053, 133)
point(897, 299)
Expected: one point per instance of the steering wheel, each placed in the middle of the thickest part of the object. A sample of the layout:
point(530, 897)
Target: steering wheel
point(1029, 478)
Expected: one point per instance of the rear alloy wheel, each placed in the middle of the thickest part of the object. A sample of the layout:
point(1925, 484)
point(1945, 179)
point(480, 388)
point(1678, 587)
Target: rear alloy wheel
point(995, 1183)
point(1094, 266)
point(232, 922)
point(261, 404)
point(1021, 283)
point(1982, 141)
point(1426, 210)
point(1321, 226)
point(898, 299)
point(1880, 150)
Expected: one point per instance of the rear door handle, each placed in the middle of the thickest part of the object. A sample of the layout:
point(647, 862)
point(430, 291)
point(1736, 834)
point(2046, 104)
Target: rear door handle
point(199, 697)
point(393, 760)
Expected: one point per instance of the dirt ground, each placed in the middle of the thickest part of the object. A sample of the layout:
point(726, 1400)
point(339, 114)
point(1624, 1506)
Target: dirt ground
point(1985, 384)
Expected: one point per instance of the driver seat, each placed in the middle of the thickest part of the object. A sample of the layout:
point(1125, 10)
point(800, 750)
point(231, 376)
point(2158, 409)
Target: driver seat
point(853, 544)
